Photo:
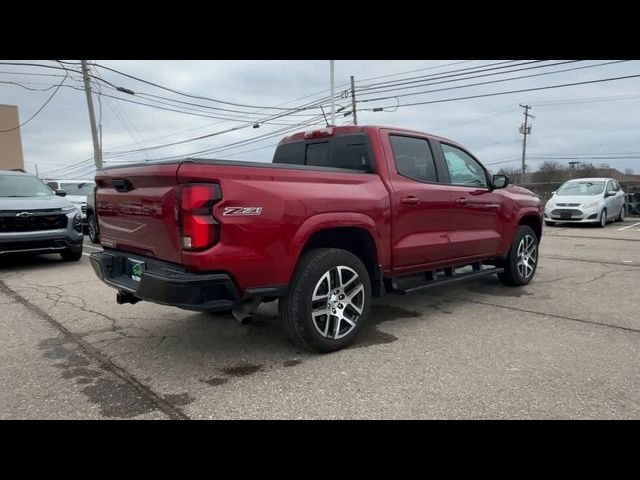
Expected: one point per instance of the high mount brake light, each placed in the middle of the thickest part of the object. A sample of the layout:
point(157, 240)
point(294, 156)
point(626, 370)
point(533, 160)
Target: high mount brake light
point(199, 229)
point(323, 132)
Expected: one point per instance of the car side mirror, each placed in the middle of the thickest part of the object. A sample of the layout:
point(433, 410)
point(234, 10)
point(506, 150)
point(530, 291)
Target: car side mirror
point(610, 193)
point(61, 193)
point(499, 181)
point(553, 193)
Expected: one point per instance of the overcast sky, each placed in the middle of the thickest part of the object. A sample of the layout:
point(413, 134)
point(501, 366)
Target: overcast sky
point(568, 121)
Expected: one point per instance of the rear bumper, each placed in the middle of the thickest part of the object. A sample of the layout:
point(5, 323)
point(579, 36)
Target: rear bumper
point(165, 283)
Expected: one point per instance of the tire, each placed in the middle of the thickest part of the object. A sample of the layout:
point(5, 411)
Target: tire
point(71, 255)
point(622, 214)
point(92, 229)
point(517, 274)
point(603, 218)
point(550, 224)
point(323, 272)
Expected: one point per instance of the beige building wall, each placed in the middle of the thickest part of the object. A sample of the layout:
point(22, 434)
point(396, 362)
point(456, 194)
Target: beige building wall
point(10, 142)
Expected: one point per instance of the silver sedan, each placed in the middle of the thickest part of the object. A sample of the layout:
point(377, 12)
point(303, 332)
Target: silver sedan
point(586, 200)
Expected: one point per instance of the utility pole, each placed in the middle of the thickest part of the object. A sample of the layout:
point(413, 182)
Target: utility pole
point(333, 100)
point(353, 101)
point(525, 130)
point(97, 153)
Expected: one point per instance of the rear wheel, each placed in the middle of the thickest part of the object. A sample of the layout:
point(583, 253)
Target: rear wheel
point(92, 229)
point(328, 300)
point(522, 259)
point(622, 214)
point(603, 218)
point(70, 255)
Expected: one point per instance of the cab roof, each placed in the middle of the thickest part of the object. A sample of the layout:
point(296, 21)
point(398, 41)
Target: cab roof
point(353, 129)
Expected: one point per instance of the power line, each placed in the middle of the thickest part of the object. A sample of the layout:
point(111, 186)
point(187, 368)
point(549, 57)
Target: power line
point(40, 109)
point(601, 80)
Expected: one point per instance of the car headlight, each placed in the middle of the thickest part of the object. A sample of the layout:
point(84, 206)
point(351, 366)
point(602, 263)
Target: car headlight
point(77, 222)
point(593, 204)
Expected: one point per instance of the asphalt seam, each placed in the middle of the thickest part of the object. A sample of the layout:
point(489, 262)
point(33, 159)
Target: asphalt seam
point(599, 262)
point(552, 315)
point(105, 362)
point(548, 235)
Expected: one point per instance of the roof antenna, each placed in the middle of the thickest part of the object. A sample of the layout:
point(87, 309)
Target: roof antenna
point(325, 117)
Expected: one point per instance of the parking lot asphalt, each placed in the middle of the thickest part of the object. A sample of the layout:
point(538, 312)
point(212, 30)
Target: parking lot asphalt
point(565, 346)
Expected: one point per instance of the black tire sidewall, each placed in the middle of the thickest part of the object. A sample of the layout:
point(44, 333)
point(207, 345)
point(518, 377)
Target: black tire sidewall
point(298, 300)
point(92, 227)
point(603, 218)
point(512, 274)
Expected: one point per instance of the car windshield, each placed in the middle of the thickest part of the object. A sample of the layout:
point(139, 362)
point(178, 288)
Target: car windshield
point(23, 186)
point(581, 188)
point(77, 188)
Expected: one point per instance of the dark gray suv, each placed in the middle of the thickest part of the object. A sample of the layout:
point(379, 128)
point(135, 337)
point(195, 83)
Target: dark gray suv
point(34, 218)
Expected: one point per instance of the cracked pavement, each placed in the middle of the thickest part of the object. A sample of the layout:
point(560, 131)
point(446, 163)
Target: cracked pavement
point(565, 346)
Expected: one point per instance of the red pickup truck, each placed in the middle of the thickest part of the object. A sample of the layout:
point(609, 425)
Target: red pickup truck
point(341, 215)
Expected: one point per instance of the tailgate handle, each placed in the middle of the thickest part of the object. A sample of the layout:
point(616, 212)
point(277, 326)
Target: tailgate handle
point(122, 185)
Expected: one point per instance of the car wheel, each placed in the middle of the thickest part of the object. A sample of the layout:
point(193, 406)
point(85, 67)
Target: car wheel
point(622, 215)
point(70, 255)
point(603, 218)
point(92, 228)
point(328, 301)
point(522, 259)
point(550, 224)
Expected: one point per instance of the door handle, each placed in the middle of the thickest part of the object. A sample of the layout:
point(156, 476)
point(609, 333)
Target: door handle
point(462, 201)
point(410, 200)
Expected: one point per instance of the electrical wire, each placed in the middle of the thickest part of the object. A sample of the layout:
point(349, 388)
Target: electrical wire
point(40, 109)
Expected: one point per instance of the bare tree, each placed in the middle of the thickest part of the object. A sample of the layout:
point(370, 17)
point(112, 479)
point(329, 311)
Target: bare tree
point(550, 171)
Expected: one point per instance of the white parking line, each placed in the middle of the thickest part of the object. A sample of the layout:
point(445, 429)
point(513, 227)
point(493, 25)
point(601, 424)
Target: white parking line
point(95, 248)
point(629, 226)
point(85, 254)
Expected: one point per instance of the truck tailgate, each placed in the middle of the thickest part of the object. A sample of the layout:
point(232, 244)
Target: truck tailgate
point(137, 210)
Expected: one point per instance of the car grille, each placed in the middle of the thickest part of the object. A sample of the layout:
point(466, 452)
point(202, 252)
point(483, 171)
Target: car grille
point(566, 213)
point(567, 204)
point(11, 223)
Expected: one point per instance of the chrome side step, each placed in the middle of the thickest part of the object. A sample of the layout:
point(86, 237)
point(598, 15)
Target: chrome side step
point(446, 276)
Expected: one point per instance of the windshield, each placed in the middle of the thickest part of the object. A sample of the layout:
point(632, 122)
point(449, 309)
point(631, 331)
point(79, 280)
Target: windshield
point(581, 188)
point(77, 188)
point(23, 186)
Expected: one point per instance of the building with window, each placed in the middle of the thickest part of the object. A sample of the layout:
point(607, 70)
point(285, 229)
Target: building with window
point(10, 142)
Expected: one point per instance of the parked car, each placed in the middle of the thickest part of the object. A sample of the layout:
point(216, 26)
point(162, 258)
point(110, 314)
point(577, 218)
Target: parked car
point(33, 218)
point(342, 215)
point(77, 191)
point(586, 200)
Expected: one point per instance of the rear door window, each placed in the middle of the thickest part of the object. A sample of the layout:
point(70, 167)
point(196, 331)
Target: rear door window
point(413, 158)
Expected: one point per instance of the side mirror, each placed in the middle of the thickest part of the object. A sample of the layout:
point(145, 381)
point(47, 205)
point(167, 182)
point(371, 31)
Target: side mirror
point(553, 193)
point(499, 181)
point(61, 193)
point(610, 193)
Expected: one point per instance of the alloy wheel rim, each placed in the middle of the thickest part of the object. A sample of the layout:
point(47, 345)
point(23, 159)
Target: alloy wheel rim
point(527, 255)
point(337, 302)
point(603, 218)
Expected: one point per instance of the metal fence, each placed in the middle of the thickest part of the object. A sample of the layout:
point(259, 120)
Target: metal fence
point(631, 189)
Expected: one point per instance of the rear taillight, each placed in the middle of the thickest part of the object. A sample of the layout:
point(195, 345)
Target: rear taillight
point(198, 227)
point(323, 132)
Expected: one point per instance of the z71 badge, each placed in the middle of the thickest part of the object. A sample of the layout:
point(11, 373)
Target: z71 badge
point(242, 211)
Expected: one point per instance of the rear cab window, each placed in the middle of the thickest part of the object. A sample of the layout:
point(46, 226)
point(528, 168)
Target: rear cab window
point(413, 158)
point(351, 152)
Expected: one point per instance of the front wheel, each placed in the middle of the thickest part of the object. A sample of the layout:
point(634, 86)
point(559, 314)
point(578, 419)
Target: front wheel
point(328, 301)
point(603, 218)
point(522, 259)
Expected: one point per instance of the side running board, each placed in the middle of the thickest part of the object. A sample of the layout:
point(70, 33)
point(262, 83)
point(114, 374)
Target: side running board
point(417, 282)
